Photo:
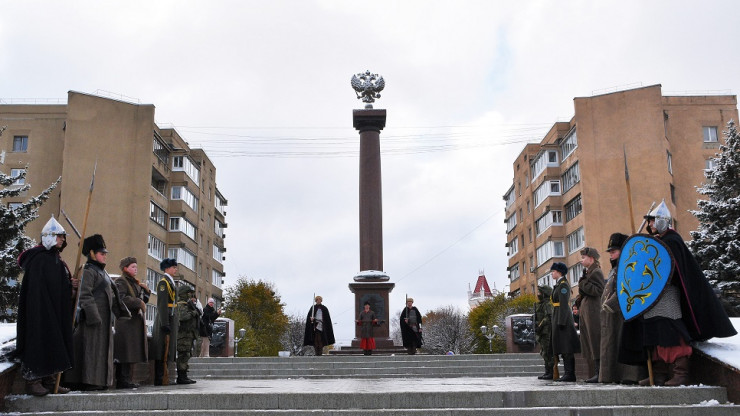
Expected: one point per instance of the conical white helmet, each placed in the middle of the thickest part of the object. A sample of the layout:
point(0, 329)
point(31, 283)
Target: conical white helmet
point(662, 217)
point(50, 232)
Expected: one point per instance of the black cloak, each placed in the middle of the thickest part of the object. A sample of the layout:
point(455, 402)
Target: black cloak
point(44, 328)
point(327, 332)
point(410, 338)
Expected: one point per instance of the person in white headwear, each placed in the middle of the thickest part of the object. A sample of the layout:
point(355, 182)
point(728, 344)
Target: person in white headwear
point(210, 314)
point(44, 328)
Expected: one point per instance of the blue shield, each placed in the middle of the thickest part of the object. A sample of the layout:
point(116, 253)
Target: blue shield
point(645, 267)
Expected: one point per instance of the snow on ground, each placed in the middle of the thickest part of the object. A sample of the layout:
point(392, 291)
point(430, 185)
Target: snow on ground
point(7, 341)
point(726, 350)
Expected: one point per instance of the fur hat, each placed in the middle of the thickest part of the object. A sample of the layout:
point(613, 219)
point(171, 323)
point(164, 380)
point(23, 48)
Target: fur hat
point(591, 252)
point(616, 241)
point(561, 267)
point(167, 263)
point(127, 261)
point(95, 243)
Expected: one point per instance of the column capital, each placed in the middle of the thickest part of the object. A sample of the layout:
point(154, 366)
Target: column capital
point(368, 119)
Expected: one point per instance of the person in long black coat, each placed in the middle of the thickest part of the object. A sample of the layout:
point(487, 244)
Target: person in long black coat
point(44, 327)
point(411, 327)
point(166, 322)
point(130, 344)
point(210, 314)
point(319, 331)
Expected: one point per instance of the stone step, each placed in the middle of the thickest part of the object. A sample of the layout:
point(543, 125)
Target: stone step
point(467, 396)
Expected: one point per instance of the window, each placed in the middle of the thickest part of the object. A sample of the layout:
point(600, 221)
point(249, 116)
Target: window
point(709, 165)
point(571, 177)
point(16, 173)
point(157, 214)
point(548, 251)
point(152, 278)
point(545, 159)
point(184, 226)
point(670, 162)
point(547, 220)
point(575, 240)
point(575, 273)
point(183, 256)
point(513, 247)
point(546, 280)
point(710, 133)
point(14, 205)
point(673, 194)
point(514, 272)
point(547, 188)
point(160, 149)
point(183, 193)
point(218, 228)
point(573, 208)
point(218, 253)
point(151, 312)
point(156, 248)
point(220, 203)
point(511, 222)
point(184, 164)
point(217, 278)
point(20, 143)
point(568, 145)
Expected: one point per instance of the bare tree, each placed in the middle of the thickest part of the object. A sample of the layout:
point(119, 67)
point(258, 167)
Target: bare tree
point(292, 338)
point(447, 329)
point(395, 327)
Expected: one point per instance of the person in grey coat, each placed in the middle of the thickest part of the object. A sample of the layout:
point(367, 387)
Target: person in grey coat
point(131, 336)
point(99, 306)
point(565, 340)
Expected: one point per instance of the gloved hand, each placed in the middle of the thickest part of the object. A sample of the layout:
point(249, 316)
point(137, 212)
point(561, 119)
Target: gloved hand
point(166, 329)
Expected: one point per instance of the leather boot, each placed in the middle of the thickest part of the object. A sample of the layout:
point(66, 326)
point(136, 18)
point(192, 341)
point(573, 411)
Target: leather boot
point(680, 373)
point(547, 375)
point(50, 381)
point(35, 388)
point(182, 377)
point(595, 378)
point(660, 374)
point(569, 368)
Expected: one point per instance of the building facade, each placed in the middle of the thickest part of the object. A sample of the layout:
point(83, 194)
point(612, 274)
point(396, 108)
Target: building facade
point(153, 197)
point(482, 291)
point(570, 190)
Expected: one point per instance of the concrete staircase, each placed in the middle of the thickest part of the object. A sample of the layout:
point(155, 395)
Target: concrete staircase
point(381, 385)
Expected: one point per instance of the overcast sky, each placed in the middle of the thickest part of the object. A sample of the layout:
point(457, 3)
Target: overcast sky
point(264, 88)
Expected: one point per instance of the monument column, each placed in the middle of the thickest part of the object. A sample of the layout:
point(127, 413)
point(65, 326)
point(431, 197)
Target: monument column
point(371, 284)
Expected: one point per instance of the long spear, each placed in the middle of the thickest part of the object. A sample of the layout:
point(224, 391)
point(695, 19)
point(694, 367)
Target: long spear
point(629, 190)
point(77, 273)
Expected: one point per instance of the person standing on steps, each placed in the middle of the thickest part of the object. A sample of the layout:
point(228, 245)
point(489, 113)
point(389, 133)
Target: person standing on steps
point(565, 340)
point(590, 289)
point(319, 331)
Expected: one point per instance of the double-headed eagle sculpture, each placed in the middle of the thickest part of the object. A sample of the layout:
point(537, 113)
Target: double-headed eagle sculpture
point(367, 87)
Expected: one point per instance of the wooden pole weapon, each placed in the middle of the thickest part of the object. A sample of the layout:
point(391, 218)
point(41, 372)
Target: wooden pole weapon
point(629, 191)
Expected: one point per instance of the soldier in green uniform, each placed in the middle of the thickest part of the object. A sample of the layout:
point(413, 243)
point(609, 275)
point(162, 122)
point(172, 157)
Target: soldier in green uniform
point(189, 315)
point(543, 329)
point(565, 339)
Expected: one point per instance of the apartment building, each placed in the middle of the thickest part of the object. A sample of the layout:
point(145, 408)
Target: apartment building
point(569, 190)
point(153, 197)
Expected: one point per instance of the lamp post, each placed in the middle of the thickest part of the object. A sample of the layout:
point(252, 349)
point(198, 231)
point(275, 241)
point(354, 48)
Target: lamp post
point(242, 332)
point(489, 335)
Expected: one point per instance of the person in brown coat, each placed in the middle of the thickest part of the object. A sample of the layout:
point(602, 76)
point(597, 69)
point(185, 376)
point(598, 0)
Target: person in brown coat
point(130, 344)
point(590, 289)
point(99, 305)
point(610, 370)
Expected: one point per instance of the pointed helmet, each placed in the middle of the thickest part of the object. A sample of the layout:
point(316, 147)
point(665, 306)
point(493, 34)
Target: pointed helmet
point(662, 217)
point(50, 232)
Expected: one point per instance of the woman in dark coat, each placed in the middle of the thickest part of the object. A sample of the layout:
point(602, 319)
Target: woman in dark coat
point(565, 340)
point(411, 327)
point(590, 289)
point(99, 304)
point(366, 321)
point(210, 314)
point(131, 337)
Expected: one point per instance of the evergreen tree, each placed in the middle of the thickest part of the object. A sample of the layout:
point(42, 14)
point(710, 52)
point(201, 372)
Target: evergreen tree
point(13, 239)
point(716, 244)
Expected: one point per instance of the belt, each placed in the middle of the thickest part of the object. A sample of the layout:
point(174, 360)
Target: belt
point(556, 304)
point(171, 305)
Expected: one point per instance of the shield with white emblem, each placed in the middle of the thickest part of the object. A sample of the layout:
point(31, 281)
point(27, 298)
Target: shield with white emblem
point(645, 267)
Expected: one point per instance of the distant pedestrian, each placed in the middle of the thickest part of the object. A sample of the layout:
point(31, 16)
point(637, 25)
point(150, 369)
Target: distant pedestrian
point(543, 329)
point(576, 316)
point(131, 345)
point(44, 328)
point(565, 340)
point(590, 289)
point(411, 327)
point(166, 322)
point(100, 304)
point(187, 332)
point(210, 314)
point(319, 331)
point(366, 321)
